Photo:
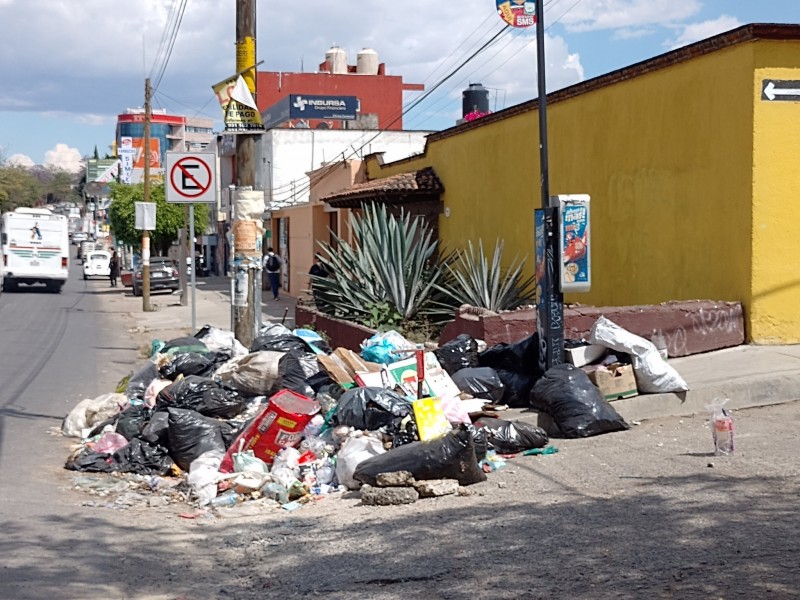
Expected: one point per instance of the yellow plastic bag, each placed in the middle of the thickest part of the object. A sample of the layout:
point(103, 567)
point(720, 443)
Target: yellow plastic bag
point(431, 422)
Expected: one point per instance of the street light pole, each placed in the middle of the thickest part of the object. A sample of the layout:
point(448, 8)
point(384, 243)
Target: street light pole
point(550, 308)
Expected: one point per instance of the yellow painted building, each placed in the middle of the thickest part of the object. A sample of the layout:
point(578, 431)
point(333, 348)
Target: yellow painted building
point(693, 171)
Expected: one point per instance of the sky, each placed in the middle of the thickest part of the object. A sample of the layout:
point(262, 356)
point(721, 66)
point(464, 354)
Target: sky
point(69, 67)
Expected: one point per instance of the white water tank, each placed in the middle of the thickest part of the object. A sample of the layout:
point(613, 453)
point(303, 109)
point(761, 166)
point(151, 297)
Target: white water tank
point(337, 60)
point(367, 62)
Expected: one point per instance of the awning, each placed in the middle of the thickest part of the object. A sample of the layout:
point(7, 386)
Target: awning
point(404, 188)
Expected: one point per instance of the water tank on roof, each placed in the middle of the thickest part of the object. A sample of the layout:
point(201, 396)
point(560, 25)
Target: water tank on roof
point(474, 98)
point(337, 60)
point(367, 62)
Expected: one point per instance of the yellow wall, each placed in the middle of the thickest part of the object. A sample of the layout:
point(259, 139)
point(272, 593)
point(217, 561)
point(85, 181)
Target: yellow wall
point(679, 211)
point(776, 195)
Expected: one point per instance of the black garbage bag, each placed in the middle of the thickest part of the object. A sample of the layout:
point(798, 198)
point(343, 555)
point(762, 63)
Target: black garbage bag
point(204, 395)
point(294, 368)
point(182, 345)
point(191, 434)
point(451, 456)
point(189, 363)
point(480, 382)
point(520, 357)
point(143, 377)
point(510, 437)
point(516, 388)
point(371, 408)
point(142, 458)
point(92, 462)
point(578, 408)
point(132, 420)
point(319, 380)
point(459, 353)
point(157, 429)
point(402, 430)
point(480, 440)
point(279, 343)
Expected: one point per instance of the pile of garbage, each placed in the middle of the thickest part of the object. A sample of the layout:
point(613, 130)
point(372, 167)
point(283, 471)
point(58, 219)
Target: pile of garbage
point(290, 420)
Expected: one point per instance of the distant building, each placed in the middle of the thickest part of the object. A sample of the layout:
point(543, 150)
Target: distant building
point(369, 97)
point(167, 133)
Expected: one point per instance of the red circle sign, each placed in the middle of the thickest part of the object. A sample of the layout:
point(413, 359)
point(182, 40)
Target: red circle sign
point(190, 177)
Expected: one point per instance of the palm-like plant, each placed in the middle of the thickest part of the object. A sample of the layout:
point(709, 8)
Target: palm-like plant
point(476, 280)
point(392, 266)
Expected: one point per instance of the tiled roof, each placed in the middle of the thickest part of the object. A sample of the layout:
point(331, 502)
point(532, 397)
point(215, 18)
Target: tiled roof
point(403, 186)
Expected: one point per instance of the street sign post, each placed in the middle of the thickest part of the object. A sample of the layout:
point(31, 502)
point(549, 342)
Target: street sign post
point(191, 179)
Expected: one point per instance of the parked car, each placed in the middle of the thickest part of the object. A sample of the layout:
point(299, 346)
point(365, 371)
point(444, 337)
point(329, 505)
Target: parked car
point(97, 264)
point(79, 237)
point(163, 275)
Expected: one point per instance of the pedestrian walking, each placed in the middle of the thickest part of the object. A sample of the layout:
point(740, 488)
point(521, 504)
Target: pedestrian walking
point(113, 268)
point(272, 265)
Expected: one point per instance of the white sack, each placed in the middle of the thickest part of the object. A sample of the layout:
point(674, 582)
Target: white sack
point(254, 374)
point(354, 451)
point(653, 374)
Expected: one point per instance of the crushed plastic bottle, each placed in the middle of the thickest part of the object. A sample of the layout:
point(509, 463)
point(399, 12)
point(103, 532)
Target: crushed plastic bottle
point(227, 499)
point(721, 428)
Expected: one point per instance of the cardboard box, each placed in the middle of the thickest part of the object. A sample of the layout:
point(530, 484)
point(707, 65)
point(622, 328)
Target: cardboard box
point(615, 381)
point(585, 354)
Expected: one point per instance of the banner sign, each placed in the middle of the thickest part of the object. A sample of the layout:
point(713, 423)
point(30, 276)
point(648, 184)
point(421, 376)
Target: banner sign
point(517, 13)
point(298, 106)
point(576, 272)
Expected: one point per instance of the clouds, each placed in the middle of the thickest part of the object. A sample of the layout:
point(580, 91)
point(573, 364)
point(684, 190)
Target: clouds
point(628, 15)
point(700, 31)
point(20, 160)
point(64, 158)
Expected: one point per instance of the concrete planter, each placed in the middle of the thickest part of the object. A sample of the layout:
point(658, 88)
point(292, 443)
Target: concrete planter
point(341, 334)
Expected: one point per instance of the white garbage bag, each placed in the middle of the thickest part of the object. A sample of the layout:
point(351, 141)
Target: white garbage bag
point(653, 374)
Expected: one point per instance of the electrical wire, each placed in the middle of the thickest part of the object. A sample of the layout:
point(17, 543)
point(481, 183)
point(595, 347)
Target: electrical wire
point(167, 45)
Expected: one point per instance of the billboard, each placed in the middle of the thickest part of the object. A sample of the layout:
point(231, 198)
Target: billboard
point(300, 106)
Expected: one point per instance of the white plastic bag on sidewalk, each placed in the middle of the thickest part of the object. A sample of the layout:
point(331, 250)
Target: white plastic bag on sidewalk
point(653, 374)
point(221, 339)
point(91, 411)
point(354, 451)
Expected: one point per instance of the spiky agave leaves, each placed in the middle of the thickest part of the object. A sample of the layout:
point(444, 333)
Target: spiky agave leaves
point(476, 280)
point(392, 259)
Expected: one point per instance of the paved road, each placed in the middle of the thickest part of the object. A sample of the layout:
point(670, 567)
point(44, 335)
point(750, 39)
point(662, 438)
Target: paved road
point(645, 513)
point(56, 349)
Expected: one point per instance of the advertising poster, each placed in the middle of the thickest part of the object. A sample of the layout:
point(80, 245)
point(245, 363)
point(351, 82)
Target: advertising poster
point(126, 153)
point(539, 247)
point(517, 13)
point(574, 243)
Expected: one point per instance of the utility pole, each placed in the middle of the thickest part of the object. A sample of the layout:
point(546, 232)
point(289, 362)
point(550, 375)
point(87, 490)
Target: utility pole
point(247, 266)
point(550, 310)
point(146, 234)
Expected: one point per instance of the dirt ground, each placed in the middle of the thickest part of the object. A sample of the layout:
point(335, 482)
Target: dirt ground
point(646, 513)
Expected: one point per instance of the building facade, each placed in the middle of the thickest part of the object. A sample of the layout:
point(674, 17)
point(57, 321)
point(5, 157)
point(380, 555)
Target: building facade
point(690, 161)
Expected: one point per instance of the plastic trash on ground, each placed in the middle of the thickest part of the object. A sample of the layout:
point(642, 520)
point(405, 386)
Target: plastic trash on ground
point(517, 365)
point(459, 353)
point(511, 437)
point(217, 339)
point(721, 424)
point(449, 457)
point(90, 412)
point(382, 347)
point(280, 425)
point(576, 405)
point(204, 475)
point(480, 382)
point(354, 451)
point(653, 373)
point(254, 374)
point(371, 408)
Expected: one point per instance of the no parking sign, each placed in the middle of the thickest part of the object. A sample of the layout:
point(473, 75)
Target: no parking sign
point(191, 177)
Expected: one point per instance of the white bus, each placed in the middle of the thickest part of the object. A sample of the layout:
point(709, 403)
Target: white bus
point(35, 246)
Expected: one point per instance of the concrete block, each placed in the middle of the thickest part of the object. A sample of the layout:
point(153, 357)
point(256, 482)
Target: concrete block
point(388, 496)
point(395, 479)
point(436, 487)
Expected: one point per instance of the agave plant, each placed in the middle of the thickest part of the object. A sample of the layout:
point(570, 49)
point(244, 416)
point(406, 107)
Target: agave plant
point(476, 280)
point(392, 268)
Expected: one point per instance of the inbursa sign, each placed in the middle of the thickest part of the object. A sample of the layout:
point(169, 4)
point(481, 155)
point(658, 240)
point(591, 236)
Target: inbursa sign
point(300, 106)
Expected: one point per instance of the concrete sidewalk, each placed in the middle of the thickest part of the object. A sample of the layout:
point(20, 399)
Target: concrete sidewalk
point(747, 375)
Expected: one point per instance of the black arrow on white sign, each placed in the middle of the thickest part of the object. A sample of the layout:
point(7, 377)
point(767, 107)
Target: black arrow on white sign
point(780, 90)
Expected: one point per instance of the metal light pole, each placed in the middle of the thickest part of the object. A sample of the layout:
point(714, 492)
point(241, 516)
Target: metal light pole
point(550, 308)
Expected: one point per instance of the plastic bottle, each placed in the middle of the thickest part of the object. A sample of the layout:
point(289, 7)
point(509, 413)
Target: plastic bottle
point(660, 342)
point(721, 429)
point(226, 500)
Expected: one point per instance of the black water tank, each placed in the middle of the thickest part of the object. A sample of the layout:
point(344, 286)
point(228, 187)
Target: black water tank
point(474, 98)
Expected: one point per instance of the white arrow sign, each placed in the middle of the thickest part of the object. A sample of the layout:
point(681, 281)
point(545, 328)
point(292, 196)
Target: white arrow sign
point(772, 92)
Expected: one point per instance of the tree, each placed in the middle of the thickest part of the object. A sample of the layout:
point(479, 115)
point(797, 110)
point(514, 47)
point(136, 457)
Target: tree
point(18, 187)
point(169, 217)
